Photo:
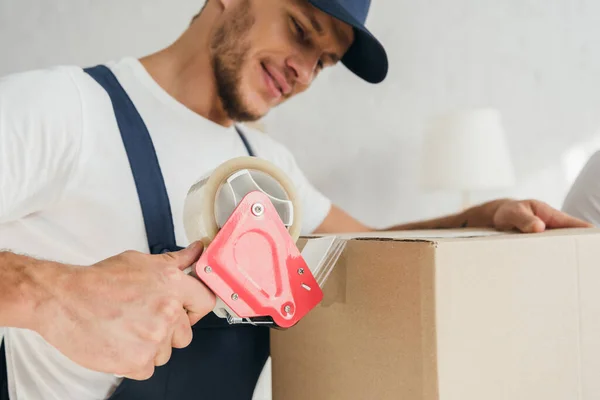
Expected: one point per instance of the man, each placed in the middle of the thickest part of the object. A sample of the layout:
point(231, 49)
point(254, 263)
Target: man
point(76, 165)
point(583, 200)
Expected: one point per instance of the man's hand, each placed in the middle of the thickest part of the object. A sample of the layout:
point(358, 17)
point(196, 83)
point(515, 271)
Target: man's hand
point(532, 216)
point(125, 314)
point(528, 216)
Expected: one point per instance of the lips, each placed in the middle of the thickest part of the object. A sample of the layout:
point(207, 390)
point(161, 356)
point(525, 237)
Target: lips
point(271, 84)
point(277, 79)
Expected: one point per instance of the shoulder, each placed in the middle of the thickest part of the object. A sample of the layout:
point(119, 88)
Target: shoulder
point(41, 114)
point(54, 87)
point(44, 83)
point(40, 136)
point(45, 95)
point(583, 199)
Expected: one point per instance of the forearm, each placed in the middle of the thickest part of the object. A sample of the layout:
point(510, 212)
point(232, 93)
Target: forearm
point(25, 289)
point(481, 216)
point(529, 216)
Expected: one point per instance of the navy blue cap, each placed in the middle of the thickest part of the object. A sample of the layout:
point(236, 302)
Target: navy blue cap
point(366, 57)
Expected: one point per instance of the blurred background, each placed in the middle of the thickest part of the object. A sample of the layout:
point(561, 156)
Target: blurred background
point(537, 62)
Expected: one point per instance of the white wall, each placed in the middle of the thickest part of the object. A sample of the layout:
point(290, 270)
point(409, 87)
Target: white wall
point(538, 61)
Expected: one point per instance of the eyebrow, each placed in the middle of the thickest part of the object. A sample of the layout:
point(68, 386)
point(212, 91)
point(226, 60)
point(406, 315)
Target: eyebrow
point(338, 32)
point(316, 25)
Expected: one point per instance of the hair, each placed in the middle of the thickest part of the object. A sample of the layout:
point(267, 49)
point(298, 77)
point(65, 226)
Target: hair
point(230, 50)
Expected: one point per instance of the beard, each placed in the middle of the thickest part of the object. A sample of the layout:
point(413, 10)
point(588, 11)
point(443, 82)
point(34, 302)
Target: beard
point(229, 49)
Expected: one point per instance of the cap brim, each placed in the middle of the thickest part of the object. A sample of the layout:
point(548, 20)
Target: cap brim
point(366, 57)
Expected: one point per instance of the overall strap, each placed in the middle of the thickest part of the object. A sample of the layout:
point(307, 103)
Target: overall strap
point(219, 354)
point(145, 167)
point(245, 141)
point(3, 375)
point(149, 181)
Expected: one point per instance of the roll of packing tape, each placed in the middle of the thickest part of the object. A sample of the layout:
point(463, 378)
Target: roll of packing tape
point(202, 213)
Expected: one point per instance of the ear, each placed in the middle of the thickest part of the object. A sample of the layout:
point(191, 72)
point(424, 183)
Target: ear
point(226, 4)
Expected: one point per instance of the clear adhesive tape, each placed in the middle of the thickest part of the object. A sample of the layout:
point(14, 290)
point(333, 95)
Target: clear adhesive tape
point(199, 216)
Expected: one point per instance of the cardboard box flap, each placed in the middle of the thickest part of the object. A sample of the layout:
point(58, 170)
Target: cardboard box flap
point(442, 235)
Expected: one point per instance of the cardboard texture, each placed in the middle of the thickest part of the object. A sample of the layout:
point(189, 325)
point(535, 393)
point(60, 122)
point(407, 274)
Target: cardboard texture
point(463, 316)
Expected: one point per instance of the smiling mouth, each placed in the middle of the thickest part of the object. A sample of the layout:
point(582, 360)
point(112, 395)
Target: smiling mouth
point(272, 79)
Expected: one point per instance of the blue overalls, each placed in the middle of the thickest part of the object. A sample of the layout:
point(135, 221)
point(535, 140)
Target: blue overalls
point(223, 362)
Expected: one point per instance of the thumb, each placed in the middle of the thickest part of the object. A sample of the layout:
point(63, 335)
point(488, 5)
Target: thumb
point(188, 256)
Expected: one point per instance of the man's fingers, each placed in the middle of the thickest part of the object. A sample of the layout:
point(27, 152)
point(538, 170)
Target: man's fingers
point(141, 374)
point(182, 335)
point(535, 225)
point(556, 219)
point(521, 216)
point(188, 256)
point(164, 353)
point(562, 220)
point(195, 297)
point(193, 317)
point(536, 216)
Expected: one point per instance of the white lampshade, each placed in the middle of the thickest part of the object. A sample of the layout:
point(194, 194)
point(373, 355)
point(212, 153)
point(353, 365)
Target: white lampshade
point(467, 151)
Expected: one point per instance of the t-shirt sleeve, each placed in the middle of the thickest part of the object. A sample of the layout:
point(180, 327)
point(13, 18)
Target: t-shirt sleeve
point(40, 129)
point(315, 205)
point(583, 200)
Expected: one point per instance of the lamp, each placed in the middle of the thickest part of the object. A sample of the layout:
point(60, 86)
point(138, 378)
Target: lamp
point(466, 151)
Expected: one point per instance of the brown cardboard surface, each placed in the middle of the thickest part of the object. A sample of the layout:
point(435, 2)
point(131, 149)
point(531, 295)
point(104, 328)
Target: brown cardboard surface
point(589, 315)
point(394, 342)
point(507, 319)
point(460, 316)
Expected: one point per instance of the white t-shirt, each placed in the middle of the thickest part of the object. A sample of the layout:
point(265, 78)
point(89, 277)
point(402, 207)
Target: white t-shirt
point(67, 193)
point(583, 200)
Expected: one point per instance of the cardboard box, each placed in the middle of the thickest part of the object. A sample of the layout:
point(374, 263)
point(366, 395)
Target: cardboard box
point(468, 316)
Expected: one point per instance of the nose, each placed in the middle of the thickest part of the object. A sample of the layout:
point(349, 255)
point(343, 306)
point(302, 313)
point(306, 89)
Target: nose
point(303, 67)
